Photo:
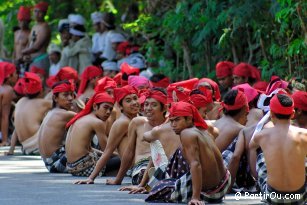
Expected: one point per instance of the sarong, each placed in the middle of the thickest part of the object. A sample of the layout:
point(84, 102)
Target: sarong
point(41, 61)
point(84, 166)
point(57, 162)
point(30, 146)
point(138, 170)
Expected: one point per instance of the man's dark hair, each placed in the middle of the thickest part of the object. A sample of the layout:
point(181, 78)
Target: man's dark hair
point(32, 96)
point(229, 99)
point(157, 77)
point(285, 101)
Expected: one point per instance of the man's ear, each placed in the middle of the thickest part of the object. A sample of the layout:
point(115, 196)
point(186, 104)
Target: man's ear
point(95, 107)
point(189, 120)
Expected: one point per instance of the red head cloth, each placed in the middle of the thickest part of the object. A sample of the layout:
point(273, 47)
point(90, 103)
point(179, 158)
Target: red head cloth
point(163, 83)
point(156, 94)
point(19, 86)
point(255, 73)
point(300, 100)
point(122, 47)
point(224, 69)
point(118, 79)
point(199, 100)
point(120, 93)
point(214, 86)
point(138, 81)
point(176, 94)
point(105, 83)
point(97, 99)
point(6, 69)
point(24, 14)
point(276, 106)
point(261, 86)
point(276, 83)
point(248, 90)
point(129, 70)
point(42, 6)
point(240, 102)
point(37, 70)
point(89, 73)
point(184, 109)
point(67, 73)
point(189, 84)
point(33, 83)
point(51, 80)
point(64, 87)
point(242, 70)
point(132, 49)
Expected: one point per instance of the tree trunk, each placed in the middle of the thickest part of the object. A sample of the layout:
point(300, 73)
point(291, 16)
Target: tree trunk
point(187, 58)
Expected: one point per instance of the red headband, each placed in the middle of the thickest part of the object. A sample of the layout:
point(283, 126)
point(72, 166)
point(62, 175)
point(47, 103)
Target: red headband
point(184, 109)
point(105, 83)
point(199, 100)
point(67, 73)
point(33, 83)
point(240, 102)
point(175, 94)
point(43, 6)
point(120, 93)
point(19, 86)
point(129, 70)
point(224, 69)
point(6, 69)
point(163, 83)
point(24, 14)
point(64, 87)
point(276, 106)
point(300, 100)
point(37, 70)
point(214, 86)
point(157, 95)
point(89, 73)
point(97, 98)
point(242, 70)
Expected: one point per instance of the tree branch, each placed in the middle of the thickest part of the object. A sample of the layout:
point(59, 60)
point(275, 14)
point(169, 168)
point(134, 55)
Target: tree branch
point(187, 58)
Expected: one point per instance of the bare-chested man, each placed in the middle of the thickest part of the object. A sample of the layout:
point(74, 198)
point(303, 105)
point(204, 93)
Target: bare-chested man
point(208, 178)
point(29, 114)
point(128, 102)
point(8, 78)
point(137, 152)
point(39, 39)
point(52, 133)
point(21, 36)
point(81, 157)
point(89, 79)
point(281, 152)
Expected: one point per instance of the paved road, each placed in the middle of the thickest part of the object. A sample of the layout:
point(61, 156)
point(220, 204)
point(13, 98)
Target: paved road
point(24, 180)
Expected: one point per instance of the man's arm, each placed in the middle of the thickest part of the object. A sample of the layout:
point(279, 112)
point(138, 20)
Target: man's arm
point(191, 149)
point(253, 145)
point(13, 143)
point(127, 159)
point(6, 108)
point(117, 132)
point(41, 38)
point(150, 136)
point(100, 130)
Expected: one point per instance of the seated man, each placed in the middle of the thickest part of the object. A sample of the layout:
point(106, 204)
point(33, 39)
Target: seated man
point(300, 106)
point(281, 152)
point(81, 157)
point(128, 102)
point(208, 178)
point(29, 114)
point(137, 152)
point(51, 135)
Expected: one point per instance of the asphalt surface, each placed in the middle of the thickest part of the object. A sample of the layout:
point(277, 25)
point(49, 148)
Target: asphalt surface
point(24, 180)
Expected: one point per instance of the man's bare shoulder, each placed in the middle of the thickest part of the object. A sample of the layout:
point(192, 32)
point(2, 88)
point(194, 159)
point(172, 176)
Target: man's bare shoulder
point(161, 128)
point(190, 133)
point(139, 120)
point(6, 90)
point(300, 133)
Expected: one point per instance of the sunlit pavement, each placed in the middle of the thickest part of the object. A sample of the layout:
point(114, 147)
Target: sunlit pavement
point(24, 180)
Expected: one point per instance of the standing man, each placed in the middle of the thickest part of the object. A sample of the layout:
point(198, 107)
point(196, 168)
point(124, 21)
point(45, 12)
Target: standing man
point(8, 78)
point(21, 36)
point(223, 71)
point(52, 133)
point(40, 36)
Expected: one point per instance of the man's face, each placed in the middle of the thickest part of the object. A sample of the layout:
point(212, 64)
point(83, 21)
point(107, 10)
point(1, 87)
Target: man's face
point(152, 109)
point(38, 14)
point(97, 27)
point(131, 104)
point(54, 57)
point(103, 111)
point(225, 82)
point(237, 80)
point(13, 78)
point(65, 100)
point(65, 37)
point(178, 124)
point(203, 112)
point(23, 24)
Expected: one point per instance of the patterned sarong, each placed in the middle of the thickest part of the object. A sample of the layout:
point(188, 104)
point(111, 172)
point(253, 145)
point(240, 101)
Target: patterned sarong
point(57, 162)
point(138, 170)
point(85, 165)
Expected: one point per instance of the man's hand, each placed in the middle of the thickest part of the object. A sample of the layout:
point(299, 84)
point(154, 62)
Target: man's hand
point(88, 181)
point(134, 189)
point(112, 182)
point(196, 202)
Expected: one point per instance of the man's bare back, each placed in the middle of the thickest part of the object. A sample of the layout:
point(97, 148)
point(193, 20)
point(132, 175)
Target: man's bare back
point(29, 114)
point(39, 39)
point(52, 131)
point(285, 149)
